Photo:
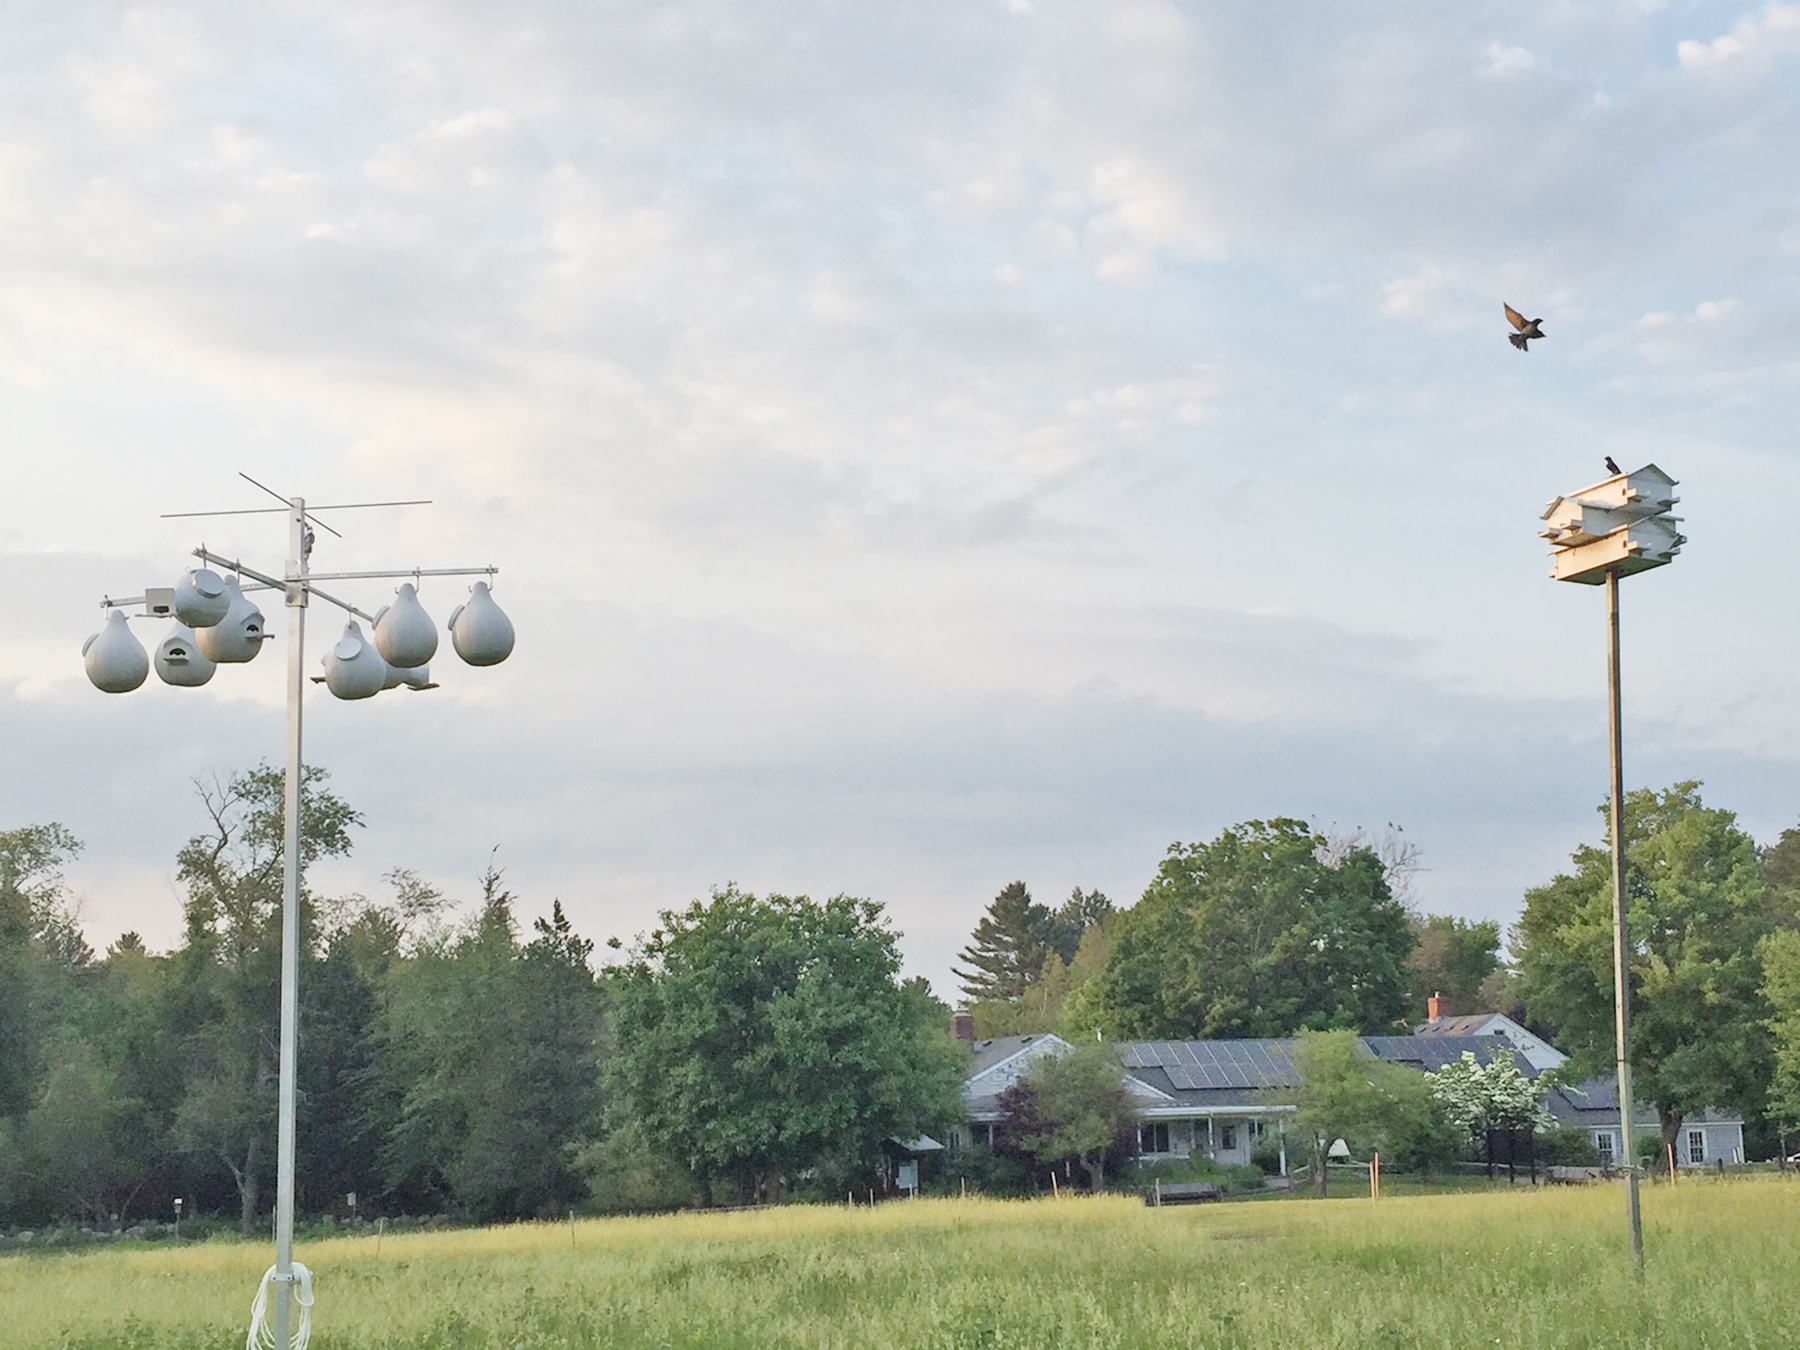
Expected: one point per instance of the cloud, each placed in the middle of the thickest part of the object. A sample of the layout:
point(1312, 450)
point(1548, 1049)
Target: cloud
point(1755, 41)
point(923, 444)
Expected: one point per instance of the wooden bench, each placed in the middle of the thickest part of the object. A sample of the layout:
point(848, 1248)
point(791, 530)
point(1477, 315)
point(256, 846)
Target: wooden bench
point(1184, 1193)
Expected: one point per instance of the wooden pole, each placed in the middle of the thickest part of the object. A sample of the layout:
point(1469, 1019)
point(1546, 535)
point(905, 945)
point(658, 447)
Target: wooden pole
point(1621, 941)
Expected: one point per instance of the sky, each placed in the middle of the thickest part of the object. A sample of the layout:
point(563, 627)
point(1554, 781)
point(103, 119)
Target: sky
point(924, 446)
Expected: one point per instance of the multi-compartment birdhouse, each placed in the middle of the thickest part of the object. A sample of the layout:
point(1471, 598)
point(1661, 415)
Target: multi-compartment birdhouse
point(1621, 522)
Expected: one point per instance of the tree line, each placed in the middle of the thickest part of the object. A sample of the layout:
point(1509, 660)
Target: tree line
point(466, 1061)
point(469, 1064)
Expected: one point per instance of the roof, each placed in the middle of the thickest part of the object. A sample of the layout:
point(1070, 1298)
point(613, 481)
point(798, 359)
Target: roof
point(1462, 1024)
point(1257, 1065)
point(1595, 1102)
point(1183, 1078)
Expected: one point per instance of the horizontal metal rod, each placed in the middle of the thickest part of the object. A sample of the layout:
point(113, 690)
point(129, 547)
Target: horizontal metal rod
point(341, 604)
point(408, 572)
point(247, 511)
point(204, 554)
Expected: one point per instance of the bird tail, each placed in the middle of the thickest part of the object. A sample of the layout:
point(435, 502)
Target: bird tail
point(1518, 340)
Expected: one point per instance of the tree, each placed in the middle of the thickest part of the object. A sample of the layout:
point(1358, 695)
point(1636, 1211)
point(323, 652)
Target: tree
point(1072, 1105)
point(39, 947)
point(1476, 1099)
point(1780, 953)
point(225, 1001)
point(1257, 934)
point(1453, 957)
point(1072, 920)
point(494, 1047)
point(1008, 948)
point(1010, 934)
point(1348, 1093)
point(1697, 908)
point(755, 1038)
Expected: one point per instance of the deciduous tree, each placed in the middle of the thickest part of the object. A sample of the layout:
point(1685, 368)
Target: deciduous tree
point(1071, 1105)
point(755, 1037)
point(1257, 934)
point(1698, 906)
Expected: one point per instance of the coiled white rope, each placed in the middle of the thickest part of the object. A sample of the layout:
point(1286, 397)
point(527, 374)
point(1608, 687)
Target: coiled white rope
point(262, 1333)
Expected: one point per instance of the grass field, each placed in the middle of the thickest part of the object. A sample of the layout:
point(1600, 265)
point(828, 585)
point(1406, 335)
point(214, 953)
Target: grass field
point(1508, 1269)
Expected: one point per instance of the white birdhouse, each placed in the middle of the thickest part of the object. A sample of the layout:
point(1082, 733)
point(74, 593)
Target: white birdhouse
point(237, 637)
point(480, 630)
point(404, 633)
point(1621, 524)
point(353, 668)
point(115, 659)
point(179, 660)
point(201, 599)
point(413, 677)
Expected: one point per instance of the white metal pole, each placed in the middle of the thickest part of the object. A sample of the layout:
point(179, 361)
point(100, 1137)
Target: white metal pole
point(290, 922)
point(1621, 947)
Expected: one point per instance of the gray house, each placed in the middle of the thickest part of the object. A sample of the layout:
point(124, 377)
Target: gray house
point(1709, 1137)
point(1219, 1099)
point(1210, 1099)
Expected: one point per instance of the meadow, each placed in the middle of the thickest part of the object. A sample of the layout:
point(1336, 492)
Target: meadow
point(1519, 1268)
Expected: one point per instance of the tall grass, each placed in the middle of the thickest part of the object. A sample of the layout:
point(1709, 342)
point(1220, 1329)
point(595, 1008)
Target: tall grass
point(1508, 1269)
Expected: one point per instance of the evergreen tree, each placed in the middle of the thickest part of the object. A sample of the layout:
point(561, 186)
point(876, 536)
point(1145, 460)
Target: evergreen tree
point(1009, 947)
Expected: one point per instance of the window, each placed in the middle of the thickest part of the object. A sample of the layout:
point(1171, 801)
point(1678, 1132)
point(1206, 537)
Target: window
point(1153, 1137)
point(1696, 1146)
point(1228, 1136)
point(1603, 1144)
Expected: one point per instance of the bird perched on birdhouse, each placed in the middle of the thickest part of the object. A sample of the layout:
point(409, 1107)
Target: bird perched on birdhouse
point(1528, 328)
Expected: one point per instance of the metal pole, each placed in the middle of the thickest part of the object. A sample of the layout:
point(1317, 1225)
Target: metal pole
point(1621, 976)
point(298, 548)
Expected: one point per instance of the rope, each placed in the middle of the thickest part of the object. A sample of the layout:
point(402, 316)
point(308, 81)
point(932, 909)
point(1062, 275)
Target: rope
point(262, 1331)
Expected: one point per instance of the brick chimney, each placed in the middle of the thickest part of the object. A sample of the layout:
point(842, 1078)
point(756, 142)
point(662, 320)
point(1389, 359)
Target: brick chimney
point(1434, 1007)
point(962, 1026)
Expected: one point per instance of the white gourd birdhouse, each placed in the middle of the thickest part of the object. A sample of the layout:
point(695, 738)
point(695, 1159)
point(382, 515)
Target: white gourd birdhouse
point(413, 677)
point(179, 660)
point(353, 668)
point(480, 630)
point(404, 633)
point(114, 658)
point(200, 598)
point(237, 637)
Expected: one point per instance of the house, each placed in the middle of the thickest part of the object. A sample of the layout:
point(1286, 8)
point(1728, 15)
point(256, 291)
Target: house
point(1707, 1137)
point(1711, 1136)
point(1212, 1099)
point(1537, 1052)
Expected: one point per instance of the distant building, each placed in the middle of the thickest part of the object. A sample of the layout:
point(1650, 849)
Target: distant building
point(1219, 1099)
point(1537, 1051)
point(1210, 1099)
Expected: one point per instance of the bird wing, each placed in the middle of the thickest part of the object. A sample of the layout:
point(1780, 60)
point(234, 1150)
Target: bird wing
point(1513, 316)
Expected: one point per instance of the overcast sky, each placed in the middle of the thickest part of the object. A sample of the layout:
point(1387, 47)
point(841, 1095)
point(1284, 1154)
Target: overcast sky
point(925, 445)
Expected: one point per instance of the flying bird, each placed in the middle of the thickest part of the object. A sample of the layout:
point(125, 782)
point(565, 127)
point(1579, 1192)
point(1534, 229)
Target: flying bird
point(1612, 467)
point(1528, 328)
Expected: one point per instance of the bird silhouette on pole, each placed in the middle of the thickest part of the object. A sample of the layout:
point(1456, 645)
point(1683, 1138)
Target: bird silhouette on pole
point(1528, 328)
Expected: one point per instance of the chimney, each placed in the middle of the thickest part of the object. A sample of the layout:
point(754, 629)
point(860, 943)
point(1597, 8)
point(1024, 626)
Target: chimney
point(1434, 1007)
point(962, 1026)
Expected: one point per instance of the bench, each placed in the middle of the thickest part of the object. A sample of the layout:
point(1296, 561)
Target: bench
point(1184, 1193)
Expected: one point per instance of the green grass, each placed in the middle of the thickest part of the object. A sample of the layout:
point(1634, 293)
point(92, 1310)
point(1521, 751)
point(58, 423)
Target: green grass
point(1507, 1269)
